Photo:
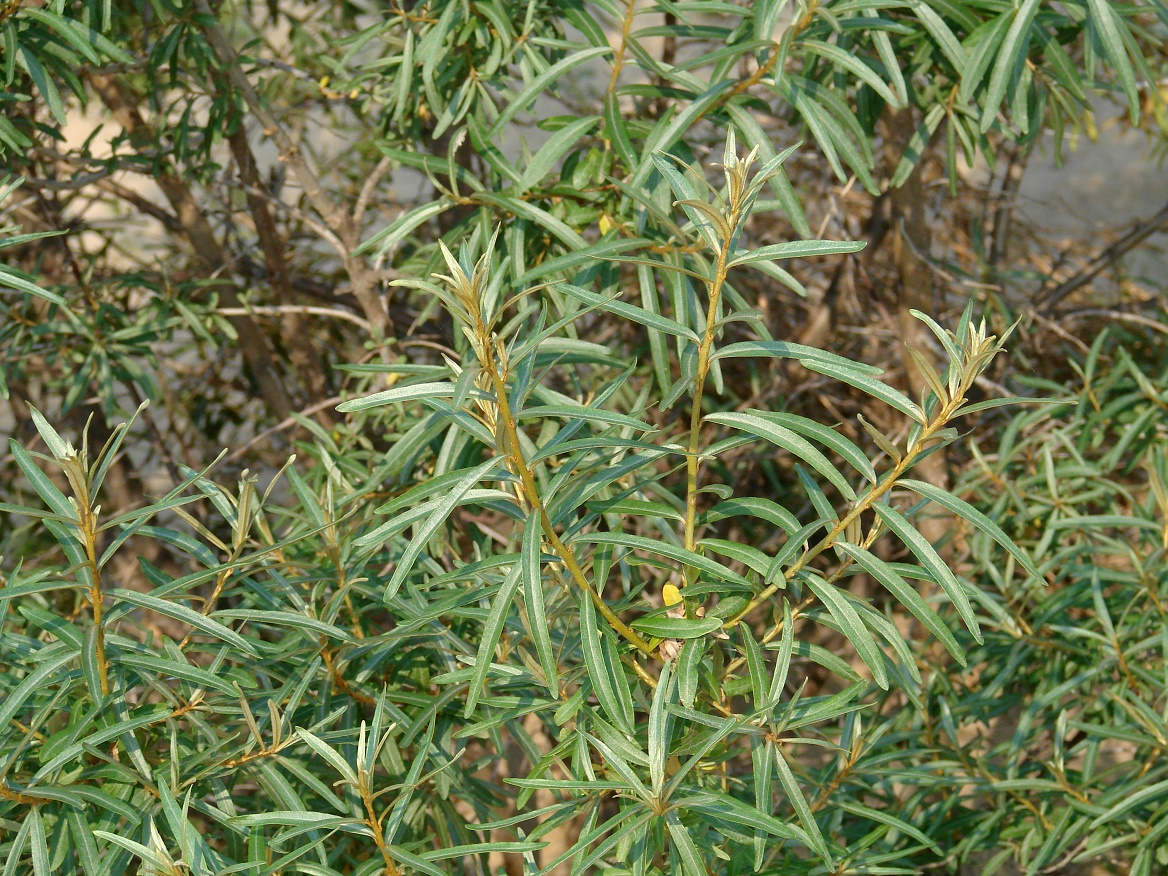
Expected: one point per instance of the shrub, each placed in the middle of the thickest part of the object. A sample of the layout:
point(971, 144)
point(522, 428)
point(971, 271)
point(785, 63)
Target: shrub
point(559, 577)
point(350, 682)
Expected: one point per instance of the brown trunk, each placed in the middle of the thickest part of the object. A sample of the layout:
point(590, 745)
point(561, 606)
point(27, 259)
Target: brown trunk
point(253, 344)
point(297, 340)
point(912, 242)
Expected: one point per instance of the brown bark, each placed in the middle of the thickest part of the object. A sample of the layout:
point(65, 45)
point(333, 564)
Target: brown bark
point(302, 351)
point(339, 221)
point(912, 242)
point(216, 259)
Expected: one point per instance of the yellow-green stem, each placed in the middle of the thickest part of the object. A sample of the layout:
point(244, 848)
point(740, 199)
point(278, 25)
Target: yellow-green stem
point(695, 418)
point(89, 533)
point(866, 502)
point(531, 491)
point(374, 823)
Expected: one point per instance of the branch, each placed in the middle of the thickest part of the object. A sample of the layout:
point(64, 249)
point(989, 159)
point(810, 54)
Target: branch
point(1138, 234)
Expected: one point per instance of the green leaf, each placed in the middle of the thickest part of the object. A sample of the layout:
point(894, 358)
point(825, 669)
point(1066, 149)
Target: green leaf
point(442, 509)
point(788, 440)
point(856, 808)
point(1107, 23)
point(796, 249)
point(601, 671)
point(667, 131)
point(763, 509)
point(659, 730)
point(10, 278)
point(1010, 58)
point(1153, 792)
point(45, 85)
point(44, 487)
point(185, 615)
point(688, 669)
point(970, 514)
point(802, 809)
point(853, 376)
point(162, 668)
point(399, 394)
point(540, 84)
point(553, 150)
point(631, 312)
point(398, 230)
point(492, 630)
point(949, 44)
point(932, 562)
point(908, 597)
point(32, 683)
point(850, 624)
point(285, 619)
point(789, 350)
point(664, 549)
point(853, 65)
point(733, 810)
point(332, 757)
point(533, 597)
point(540, 217)
point(683, 844)
point(676, 627)
point(985, 42)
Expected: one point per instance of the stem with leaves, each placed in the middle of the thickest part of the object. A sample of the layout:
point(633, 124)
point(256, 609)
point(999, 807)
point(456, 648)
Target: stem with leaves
point(492, 358)
point(966, 364)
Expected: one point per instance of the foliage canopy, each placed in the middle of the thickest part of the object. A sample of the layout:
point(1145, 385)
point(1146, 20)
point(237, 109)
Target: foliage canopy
point(564, 575)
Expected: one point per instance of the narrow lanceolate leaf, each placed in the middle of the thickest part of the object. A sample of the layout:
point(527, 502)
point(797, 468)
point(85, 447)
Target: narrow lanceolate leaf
point(676, 627)
point(441, 511)
point(35, 680)
point(537, 85)
point(852, 376)
point(891, 820)
point(783, 437)
point(850, 625)
point(908, 597)
point(533, 597)
point(492, 630)
point(1154, 792)
point(1011, 56)
point(330, 755)
point(844, 59)
point(1108, 23)
point(789, 350)
point(57, 445)
point(629, 311)
point(802, 809)
point(396, 232)
point(945, 38)
point(13, 279)
point(970, 514)
point(665, 549)
point(399, 394)
point(44, 487)
point(683, 844)
point(659, 725)
point(796, 249)
point(931, 560)
point(186, 615)
point(826, 436)
point(600, 671)
point(553, 150)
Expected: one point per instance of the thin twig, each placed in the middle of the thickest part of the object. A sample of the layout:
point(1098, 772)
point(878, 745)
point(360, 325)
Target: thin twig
point(1138, 234)
point(281, 309)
